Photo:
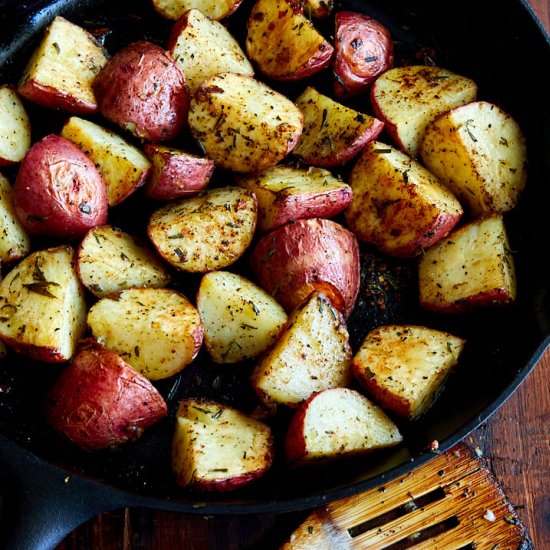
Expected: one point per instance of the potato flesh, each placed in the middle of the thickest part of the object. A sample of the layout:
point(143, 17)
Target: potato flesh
point(110, 260)
point(342, 421)
point(397, 204)
point(15, 127)
point(214, 9)
point(318, 8)
point(123, 166)
point(333, 133)
point(240, 320)
point(215, 444)
point(411, 97)
point(242, 124)
point(285, 194)
point(472, 266)
point(43, 312)
point(156, 331)
point(14, 241)
point(283, 42)
point(203, 48)
point(404, 367)
point(206, 232)
point(311, 355)
point(66, 62)
point(479, 152)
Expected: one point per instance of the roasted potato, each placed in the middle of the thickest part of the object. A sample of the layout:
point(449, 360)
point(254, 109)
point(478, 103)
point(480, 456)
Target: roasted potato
point(59, 191)
point(14, 240)
point(397, 204)
point(214, 9)
point(142, 90)
point(286, 194)
point(473, 267)
point(217, 448)
point(363, 50)
point(333, 133)
point(407, 98)
point(312, 354)
point(283, 43)
point(110, 260)
point(15, 127)
point(404, 367)
point(42, 306)
point(240, 320)
point(242, 124)
point(318, 8)
point(99, 401)
point(204, 233)
point(203, 48)
point(306, 255)
point(175, 174)
point(61, 71)
point(336, 423)
point(155, 330)
point(124, 167)
point(479, 152)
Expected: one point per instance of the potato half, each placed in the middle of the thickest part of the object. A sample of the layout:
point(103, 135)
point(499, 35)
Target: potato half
point(15, 127)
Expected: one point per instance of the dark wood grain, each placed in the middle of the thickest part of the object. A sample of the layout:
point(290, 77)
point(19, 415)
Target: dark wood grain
point(516, 442)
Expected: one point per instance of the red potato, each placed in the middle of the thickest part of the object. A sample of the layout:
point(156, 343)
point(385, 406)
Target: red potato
point(306, 255)
point(363, 50)
point(214, 9)
point(100, 401)
point(143, 91)
point(175, 174)
point(59, 191)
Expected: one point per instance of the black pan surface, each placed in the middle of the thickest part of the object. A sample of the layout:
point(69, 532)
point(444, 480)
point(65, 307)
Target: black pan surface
point(499, 45)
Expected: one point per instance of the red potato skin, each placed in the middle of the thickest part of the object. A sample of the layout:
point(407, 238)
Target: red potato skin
point(494, 297)
point(389, 126)
point(99, 401)
point(306, 255)
point(295, 442)
point(363, 51)
point(313, 205)
point(58, 191)
point(315, 64)
point(143, 90)
point(175, 176)
point(47, 355)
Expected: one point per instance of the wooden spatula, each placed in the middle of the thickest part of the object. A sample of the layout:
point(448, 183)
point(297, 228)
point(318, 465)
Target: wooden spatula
point(451, 503)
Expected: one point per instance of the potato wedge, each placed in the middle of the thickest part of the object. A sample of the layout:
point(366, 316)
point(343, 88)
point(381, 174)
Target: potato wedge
point(363, 50)
point(14, 241)
point(217, 448)
point(479, 152)
point(123, 166)
point(397, 204)
point(207, 232)
point(202, 48)
point(15, 127)
point(100, 401)
point(406, 99)
point(312, 354)
point(472, 267)
point(110, 260)
point(240, 320)
point(214, 9)
point(286, 194)
point(336, 423)
point(175, 174)
point(155, 330)
point(61, 71)
point(404, 367)
point(333, 134)
point(42, 306)
point(306, 255)
point(283, 43)
point(242, 124)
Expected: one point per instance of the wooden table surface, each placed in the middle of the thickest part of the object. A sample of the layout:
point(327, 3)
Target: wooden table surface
point(515, 441)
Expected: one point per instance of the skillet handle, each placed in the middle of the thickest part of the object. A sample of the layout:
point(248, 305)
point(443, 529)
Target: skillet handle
point(41, 504)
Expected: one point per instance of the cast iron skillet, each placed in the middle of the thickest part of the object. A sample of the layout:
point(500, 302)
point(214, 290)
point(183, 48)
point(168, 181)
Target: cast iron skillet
point(53, 487)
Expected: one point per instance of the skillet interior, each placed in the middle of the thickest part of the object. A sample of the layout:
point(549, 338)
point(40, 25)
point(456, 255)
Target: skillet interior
point(496, 44)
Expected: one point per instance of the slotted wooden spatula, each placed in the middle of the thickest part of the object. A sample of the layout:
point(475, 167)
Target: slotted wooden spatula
point(451, 503)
